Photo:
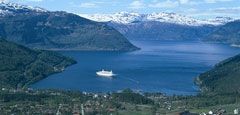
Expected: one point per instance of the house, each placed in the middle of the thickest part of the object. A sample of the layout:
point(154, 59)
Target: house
point(236, 112)
point(210, 112)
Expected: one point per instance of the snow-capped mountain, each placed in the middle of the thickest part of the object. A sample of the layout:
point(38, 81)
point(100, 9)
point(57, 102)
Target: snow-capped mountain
point(12, 8)
point(135, 26)
point(128, 18)
point(222, 20)
point(159, 26)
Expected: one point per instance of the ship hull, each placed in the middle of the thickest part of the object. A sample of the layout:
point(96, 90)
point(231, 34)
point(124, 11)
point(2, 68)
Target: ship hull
point(104, 75)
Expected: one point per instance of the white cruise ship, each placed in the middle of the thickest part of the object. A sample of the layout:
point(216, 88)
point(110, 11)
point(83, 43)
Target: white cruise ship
point(104, 73)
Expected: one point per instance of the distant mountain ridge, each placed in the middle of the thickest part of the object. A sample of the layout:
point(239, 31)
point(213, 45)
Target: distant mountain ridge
point(174, 18)
point(38, 28)
point(160, 26)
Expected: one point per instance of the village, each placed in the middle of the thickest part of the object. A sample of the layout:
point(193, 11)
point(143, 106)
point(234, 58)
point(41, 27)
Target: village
point(15, 101)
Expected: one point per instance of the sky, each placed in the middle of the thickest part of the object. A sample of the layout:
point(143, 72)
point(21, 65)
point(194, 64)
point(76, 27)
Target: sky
point(195, 8)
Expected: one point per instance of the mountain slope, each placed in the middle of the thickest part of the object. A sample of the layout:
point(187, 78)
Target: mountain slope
point(20, 66)
point(223, 78)
point(43, 29)
point(229, 33)
point(162, 31)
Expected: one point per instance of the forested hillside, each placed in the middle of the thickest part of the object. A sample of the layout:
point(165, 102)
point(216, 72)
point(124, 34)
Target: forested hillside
point(223, 78)
point(20, 66)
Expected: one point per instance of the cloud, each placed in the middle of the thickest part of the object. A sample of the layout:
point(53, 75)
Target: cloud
point(215, 12)
point(215, 1)
point(3, 0)
point(171, 3)
point(190, 2)
point(165, 4)
point(24, 0)
point(233, 10)
point(136, 5)
point(21, 1)
point(88, 5)
point(34, 0)
point(184, 1)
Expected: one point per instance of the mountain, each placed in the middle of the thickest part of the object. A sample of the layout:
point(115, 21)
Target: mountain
point(159, 26)
point(228, 33)
point(223, 78)
point(221, 20)
point(127, 18)
point(21, 66)
point(162, 31)
point(39, 28)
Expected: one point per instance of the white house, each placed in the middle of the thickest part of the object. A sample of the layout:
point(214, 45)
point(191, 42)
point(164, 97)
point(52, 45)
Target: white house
point(236, 112)
point(210, 113)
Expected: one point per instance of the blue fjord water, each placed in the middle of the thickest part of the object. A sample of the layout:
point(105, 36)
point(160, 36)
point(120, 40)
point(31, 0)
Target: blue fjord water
point(168, 67)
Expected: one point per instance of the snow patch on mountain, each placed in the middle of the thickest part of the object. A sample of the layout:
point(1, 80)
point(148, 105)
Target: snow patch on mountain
point(11, 8)
point(128, 18)
point(222, 20)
